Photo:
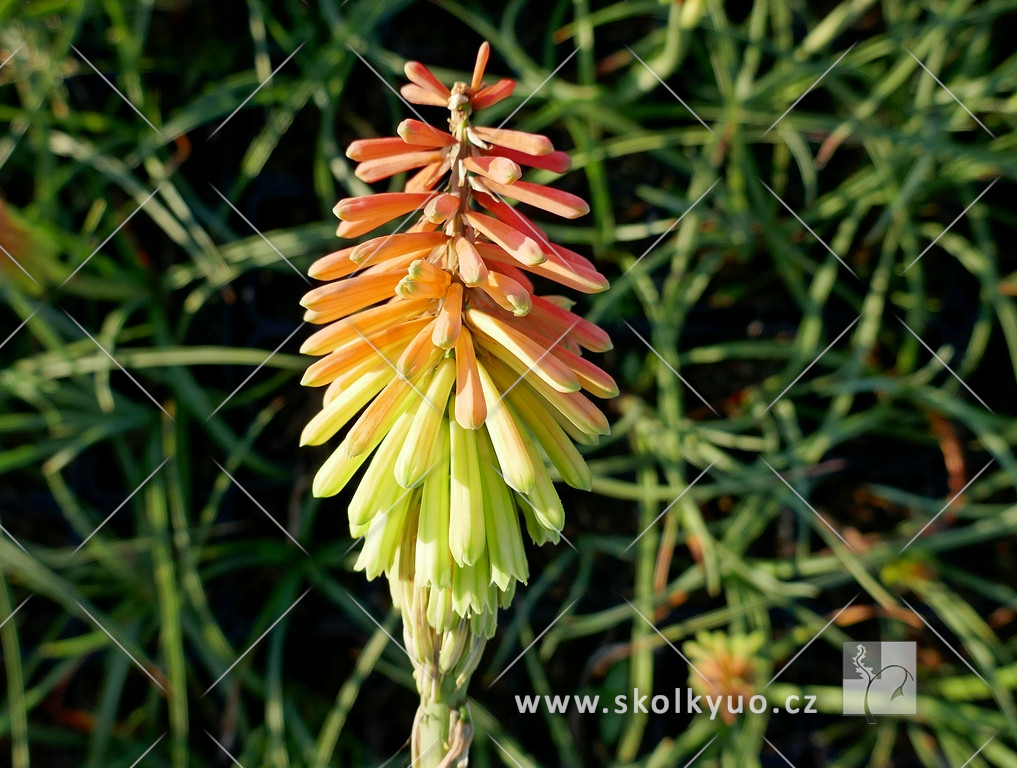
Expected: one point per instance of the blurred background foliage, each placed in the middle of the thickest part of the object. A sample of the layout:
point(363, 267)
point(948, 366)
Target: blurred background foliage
point(816, 470)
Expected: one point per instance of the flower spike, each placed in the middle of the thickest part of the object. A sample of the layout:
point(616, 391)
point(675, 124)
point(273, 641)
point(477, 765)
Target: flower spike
point(453, 378)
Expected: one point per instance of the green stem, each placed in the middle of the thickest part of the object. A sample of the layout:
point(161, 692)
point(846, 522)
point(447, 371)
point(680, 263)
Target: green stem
point(444, 659)
point(442, 733)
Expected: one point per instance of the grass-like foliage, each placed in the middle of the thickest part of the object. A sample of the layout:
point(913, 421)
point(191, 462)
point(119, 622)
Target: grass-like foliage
point(804, 210)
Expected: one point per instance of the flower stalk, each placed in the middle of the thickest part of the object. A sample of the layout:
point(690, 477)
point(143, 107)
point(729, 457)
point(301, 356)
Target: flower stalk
point(460, 383)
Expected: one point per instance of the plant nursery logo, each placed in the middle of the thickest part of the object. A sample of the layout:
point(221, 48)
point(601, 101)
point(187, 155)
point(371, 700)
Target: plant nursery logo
point(879, 679)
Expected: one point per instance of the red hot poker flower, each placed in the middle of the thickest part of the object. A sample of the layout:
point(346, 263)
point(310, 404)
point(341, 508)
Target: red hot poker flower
point(465, 380)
